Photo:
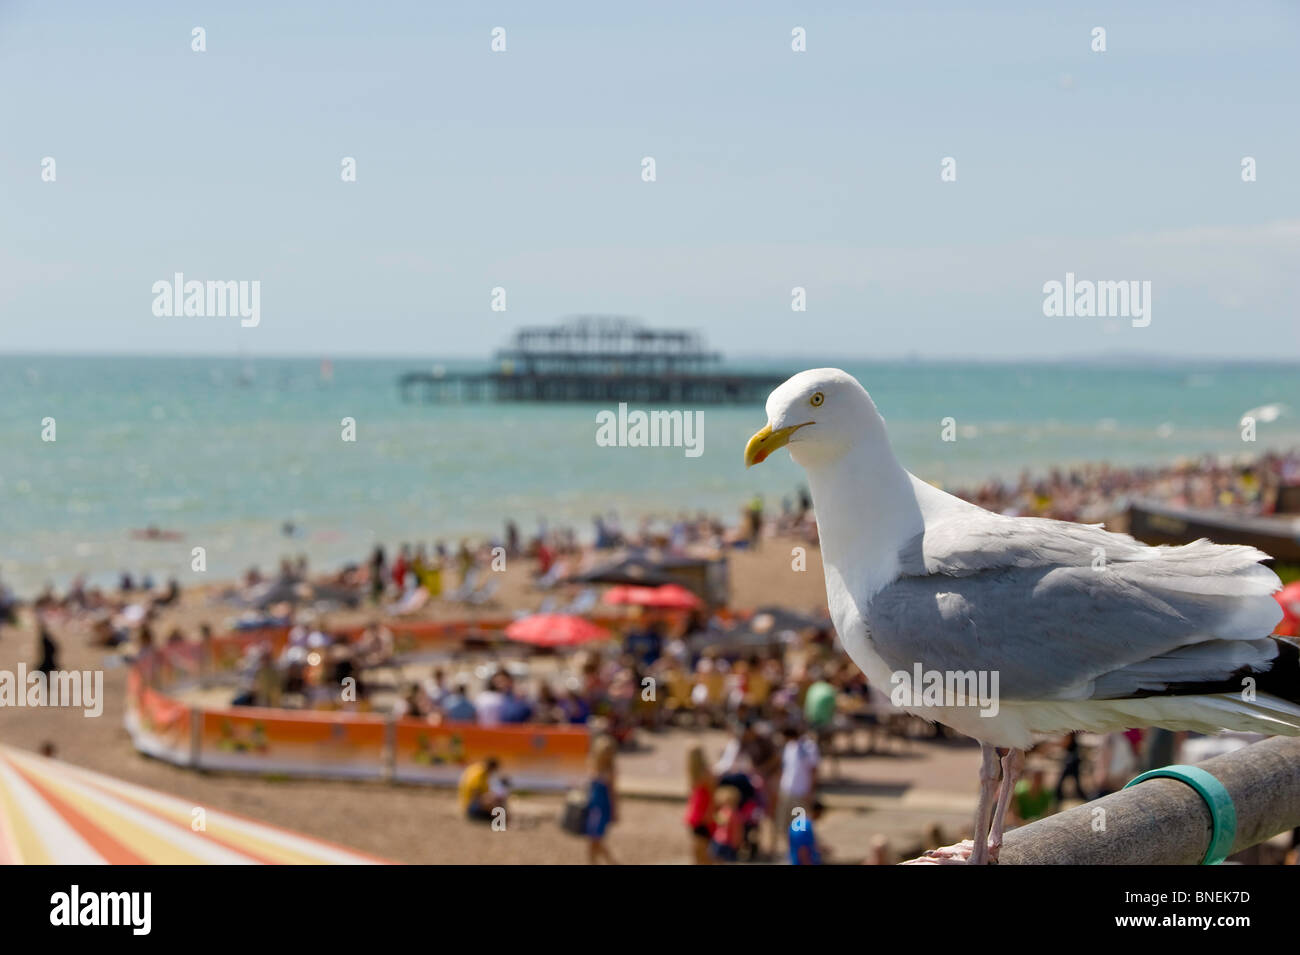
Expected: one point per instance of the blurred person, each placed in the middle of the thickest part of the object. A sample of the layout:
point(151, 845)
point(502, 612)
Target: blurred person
point(699, 804)
point(1070, 769)
point(456, 706)
point(728, 827)
point(401, 564)
point(48, 651)
point(435, 687)
point(412, 704)
point(266, 680)
point(547, 707)
point(602, 799)
point(491, 702)
point(474, 791)
point(342, 666)
point(575, 708)
point(375, 646)
point(735, 754)
point(464, 562)
point(514, 708)
point(8, 606)
point(645, 642)
point(499, 788)
point(429, 572)
point(751, 762)
point(1161, 749)
point(754, 513)
point(1031, 799)
point(799, 761)
point(802, 837)
point(378, 564)
point(819, 704)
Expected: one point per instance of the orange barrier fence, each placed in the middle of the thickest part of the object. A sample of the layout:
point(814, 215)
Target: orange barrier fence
point(533, 756)
point(159, 725)
point(330, 744)
point(222, 654)
point(254, 739)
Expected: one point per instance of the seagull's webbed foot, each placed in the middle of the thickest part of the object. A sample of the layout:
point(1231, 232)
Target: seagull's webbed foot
point(958, 854)
point(961, 850)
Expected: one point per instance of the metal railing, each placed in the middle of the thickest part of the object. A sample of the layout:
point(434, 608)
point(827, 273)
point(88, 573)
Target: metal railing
point(1164, 821)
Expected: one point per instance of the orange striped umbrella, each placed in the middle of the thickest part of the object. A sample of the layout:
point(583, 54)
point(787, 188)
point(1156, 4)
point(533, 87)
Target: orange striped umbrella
point(53, 813)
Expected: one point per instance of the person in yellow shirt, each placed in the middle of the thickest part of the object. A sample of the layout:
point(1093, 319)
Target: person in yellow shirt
point(431, 579)
point(477, 800)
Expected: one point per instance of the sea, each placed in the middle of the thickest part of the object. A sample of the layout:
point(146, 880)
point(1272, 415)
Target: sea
point(247, 458)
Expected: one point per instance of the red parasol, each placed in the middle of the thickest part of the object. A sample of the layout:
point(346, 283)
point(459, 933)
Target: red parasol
point(1289, 598)
point(628, 594)
point(667, 597)
point(555, 630)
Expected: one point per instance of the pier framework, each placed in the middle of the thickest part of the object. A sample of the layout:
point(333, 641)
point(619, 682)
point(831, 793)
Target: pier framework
point(598, 359)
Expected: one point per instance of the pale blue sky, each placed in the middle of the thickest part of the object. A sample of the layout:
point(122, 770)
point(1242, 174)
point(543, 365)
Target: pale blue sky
point(775, 169)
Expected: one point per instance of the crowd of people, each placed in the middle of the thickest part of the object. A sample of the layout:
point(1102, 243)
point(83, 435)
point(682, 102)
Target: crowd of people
point(660, 671)
point(1092, 493)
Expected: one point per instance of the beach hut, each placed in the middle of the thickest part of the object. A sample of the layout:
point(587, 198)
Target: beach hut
point(54, 813)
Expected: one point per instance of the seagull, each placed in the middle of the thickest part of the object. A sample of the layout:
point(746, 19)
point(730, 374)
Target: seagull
point(1076, 627)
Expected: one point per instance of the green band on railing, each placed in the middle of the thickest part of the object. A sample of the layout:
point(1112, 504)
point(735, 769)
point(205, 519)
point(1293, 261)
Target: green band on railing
point(1223, 814)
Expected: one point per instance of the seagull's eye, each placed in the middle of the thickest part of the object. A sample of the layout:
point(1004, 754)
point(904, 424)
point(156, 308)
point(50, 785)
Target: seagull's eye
point(817, 399)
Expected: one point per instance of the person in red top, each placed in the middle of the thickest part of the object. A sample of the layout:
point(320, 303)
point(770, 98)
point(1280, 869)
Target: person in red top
point(400, 566)
point(728, 827)
point(699, 805)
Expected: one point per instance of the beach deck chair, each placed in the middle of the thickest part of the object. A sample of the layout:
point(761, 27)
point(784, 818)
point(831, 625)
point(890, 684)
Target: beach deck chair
point(486, 594)
point(461, 593)
point(550, 579)
point(583, 603)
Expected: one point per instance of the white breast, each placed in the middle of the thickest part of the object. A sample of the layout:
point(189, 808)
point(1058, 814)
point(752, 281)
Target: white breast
point(852, 630)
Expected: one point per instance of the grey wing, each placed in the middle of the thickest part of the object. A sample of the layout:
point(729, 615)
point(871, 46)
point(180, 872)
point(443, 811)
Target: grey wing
point(1035, 606)
point(977, 540)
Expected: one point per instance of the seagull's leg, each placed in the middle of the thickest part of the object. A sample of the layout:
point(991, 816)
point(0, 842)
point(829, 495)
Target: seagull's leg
point(975, 851)
point(1012, 765)
point(984, 808)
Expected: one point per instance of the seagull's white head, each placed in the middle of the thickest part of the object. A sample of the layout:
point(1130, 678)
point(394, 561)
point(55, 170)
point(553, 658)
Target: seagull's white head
point(819, 414)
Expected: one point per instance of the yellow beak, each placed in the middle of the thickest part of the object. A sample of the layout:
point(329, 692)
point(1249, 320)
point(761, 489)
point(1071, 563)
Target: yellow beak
point(766, 441)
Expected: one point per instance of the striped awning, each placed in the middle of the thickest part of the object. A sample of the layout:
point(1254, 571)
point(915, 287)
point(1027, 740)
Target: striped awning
point(54, 813)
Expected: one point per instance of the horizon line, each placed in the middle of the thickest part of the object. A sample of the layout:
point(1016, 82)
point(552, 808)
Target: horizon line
point(904, 357)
